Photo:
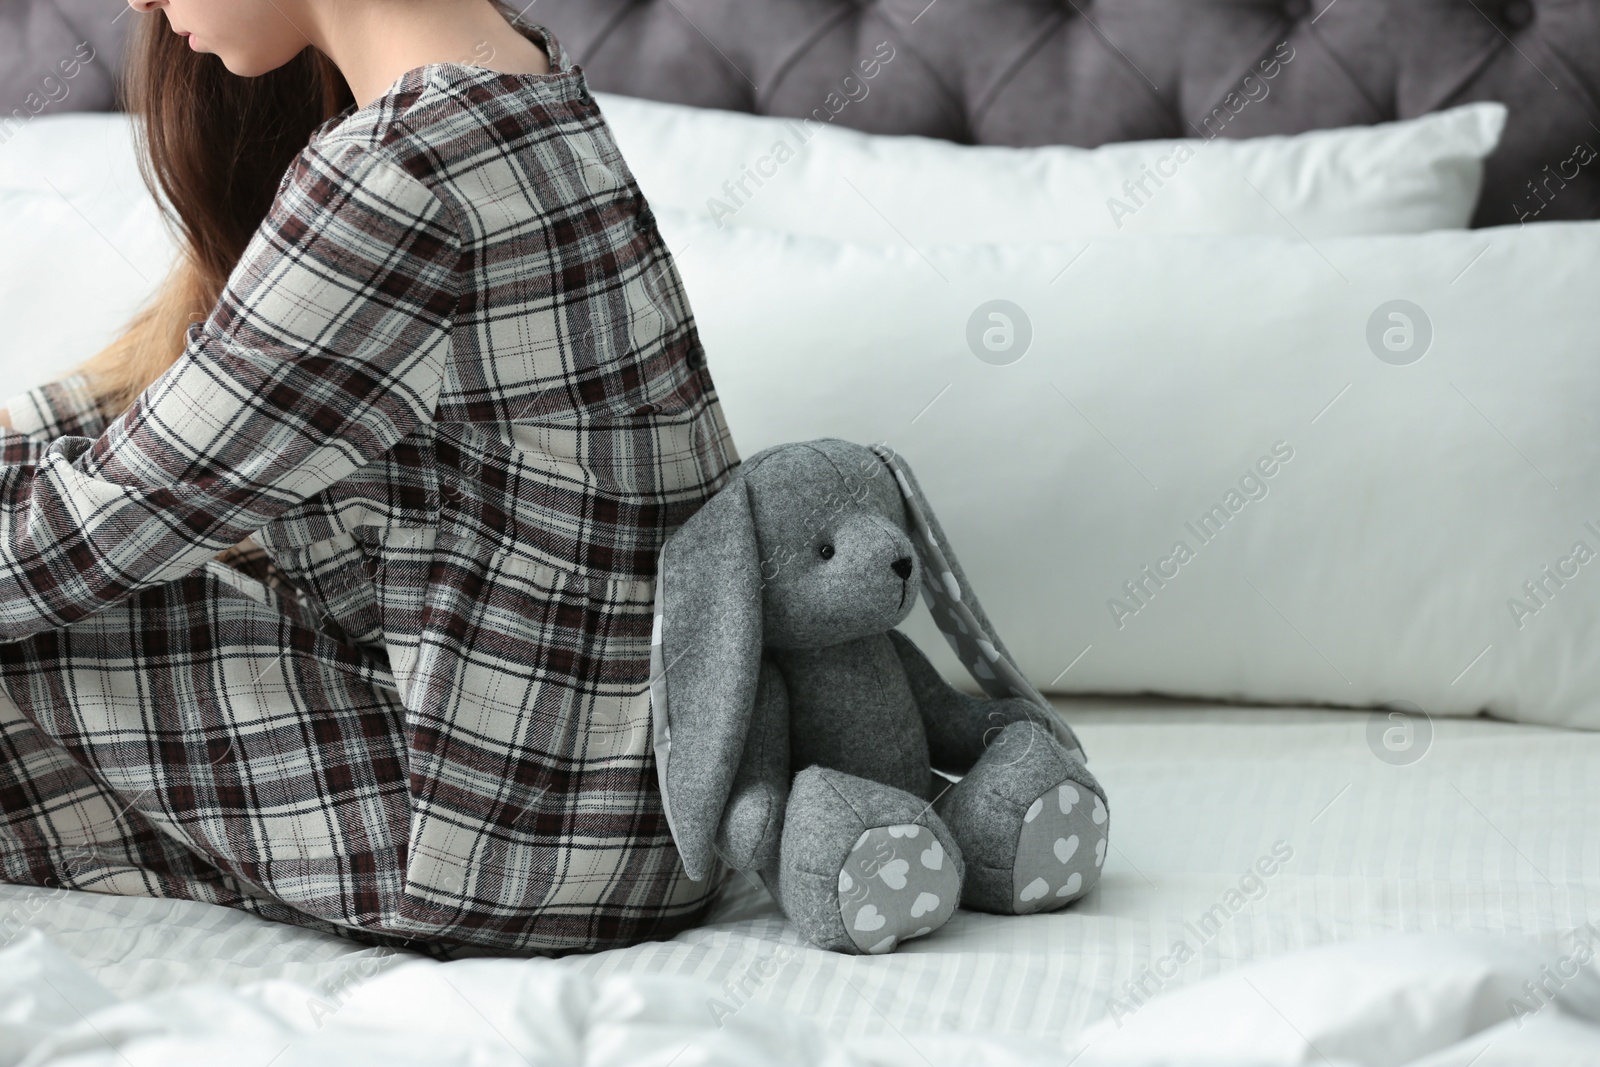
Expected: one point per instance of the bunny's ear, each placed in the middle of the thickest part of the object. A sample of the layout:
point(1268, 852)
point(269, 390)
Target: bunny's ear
point(955, 607)
point(705, 659)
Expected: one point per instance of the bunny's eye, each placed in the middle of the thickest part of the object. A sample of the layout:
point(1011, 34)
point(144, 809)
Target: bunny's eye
point(826, 551)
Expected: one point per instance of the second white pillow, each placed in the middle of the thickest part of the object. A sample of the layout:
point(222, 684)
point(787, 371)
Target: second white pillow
point(802, 176)
point(1356, 471)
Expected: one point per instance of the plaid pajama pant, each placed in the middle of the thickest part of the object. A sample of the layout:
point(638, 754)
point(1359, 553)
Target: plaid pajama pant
point(454, 393)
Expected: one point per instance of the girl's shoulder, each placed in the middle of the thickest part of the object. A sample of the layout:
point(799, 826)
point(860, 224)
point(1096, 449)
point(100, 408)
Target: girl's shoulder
point(458, 105)
point(443, 123)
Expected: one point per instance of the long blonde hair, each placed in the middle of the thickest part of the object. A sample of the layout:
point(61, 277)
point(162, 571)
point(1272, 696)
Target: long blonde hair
point(213, 147)
point(152, 341)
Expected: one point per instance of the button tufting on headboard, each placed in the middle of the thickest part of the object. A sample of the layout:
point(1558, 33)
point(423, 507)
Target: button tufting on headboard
point(1516, 14)
point(1024, 72)
point(57, 56)
point(1086, 72)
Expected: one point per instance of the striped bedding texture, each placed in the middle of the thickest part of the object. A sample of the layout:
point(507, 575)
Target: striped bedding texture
point(1239, 834)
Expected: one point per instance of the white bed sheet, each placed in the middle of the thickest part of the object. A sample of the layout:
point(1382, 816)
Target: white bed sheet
point(1493, 830)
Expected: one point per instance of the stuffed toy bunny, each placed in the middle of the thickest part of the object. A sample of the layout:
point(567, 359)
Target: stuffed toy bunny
point(798, 734)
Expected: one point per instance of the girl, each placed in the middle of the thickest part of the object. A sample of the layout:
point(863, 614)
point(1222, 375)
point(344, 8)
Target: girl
point(450, 389)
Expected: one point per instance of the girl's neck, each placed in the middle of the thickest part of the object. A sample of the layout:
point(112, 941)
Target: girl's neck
point(374, 43)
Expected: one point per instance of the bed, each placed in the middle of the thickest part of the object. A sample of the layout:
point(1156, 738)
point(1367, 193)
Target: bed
point(1288, 882)
point(1479, 847)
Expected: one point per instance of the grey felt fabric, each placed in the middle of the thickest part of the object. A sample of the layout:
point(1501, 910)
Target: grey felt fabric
point(850, 707)
point(959, 727)
point(753, 818)
point(713, 632)
point(775, 653)
point(1032, 823)
point(856, 852)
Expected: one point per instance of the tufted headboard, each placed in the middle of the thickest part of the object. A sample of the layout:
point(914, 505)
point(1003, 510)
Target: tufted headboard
point(58, 55)
point(1084, 72)
point(1026, 72)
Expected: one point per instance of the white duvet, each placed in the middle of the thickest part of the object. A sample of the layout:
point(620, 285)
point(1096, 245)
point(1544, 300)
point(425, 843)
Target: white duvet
point(1417, 999)
point(1276, 894)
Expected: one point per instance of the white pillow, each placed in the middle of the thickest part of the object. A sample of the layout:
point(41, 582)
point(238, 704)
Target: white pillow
point(72, 206)
point(82, 244)
point(1392, 542)
point(1384, 515)
point(803, 176)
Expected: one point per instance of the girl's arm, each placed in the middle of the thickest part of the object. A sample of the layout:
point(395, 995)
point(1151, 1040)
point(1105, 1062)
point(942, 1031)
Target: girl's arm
point(65, 408)
point(327, 347)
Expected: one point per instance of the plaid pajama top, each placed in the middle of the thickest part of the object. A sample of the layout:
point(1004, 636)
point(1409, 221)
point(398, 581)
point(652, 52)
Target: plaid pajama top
point(454, 390)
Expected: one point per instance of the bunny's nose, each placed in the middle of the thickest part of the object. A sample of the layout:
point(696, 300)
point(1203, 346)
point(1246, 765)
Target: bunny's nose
point(902, 566)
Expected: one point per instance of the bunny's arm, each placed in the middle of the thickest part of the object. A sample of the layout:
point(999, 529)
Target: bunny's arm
point(752, 823)
point(959, 726)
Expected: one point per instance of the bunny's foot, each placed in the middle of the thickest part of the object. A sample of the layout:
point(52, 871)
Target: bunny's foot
point(864, 866)
point(897, 883)
point(1032, 822)
point(1061, 848)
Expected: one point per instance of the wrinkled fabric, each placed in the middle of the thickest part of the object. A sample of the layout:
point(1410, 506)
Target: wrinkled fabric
point(454, 391)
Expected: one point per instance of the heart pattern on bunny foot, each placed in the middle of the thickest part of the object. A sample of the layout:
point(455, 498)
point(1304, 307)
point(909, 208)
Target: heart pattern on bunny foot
point(1061, 848)
point(896, 883)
